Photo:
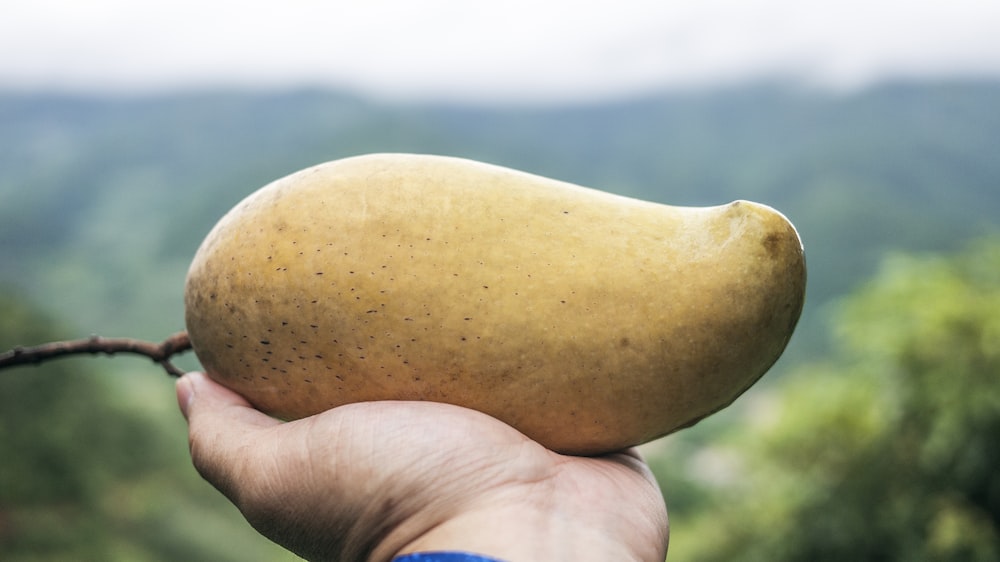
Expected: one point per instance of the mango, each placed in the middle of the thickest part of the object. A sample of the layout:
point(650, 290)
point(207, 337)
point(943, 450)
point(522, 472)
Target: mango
point(589, 321)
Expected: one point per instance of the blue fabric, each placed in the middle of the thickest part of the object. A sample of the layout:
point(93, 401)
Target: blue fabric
point(444, 557)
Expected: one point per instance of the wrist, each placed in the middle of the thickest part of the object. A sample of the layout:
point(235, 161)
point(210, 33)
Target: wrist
point(531, 528)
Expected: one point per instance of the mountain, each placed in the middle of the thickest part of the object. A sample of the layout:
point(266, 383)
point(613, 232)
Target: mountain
point(103, 200)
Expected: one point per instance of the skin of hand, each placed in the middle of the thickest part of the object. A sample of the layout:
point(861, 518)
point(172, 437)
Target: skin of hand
point(374, 480)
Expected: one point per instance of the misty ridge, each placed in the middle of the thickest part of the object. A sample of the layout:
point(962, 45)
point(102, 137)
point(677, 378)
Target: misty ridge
point(872, 438)
point(105, 198)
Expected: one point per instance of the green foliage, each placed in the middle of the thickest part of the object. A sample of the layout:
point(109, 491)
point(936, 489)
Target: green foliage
point(890, 451)
point(882, 452)
point(88, 472)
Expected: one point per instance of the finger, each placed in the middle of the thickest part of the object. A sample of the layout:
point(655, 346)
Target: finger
point(198, 395)
point(196, 383)
point(221, 428)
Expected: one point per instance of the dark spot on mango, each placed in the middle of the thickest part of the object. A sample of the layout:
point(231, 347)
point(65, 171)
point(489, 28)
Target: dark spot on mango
point(772, 245)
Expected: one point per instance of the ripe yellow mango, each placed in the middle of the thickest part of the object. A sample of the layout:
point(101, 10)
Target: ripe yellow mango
point(589, 321)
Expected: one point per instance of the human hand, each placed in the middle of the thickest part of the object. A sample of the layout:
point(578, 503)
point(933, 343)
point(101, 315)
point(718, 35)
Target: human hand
point(371, 481)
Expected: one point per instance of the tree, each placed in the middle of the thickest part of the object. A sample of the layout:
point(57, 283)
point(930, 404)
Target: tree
point(888, 452)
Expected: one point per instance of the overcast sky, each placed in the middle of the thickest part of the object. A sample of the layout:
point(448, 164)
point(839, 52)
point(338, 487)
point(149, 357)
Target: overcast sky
point(521, 50)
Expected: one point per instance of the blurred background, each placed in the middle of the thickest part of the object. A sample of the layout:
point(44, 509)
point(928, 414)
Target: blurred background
point(128, 128)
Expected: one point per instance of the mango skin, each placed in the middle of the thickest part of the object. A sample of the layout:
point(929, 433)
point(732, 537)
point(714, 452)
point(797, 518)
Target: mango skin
point(589, 321)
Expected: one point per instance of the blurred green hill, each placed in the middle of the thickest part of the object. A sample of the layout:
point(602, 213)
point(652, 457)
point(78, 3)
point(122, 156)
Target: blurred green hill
point(90, 472)
point(103, 201)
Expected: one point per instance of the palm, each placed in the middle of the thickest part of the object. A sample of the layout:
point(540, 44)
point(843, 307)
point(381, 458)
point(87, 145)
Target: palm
point(366, 480)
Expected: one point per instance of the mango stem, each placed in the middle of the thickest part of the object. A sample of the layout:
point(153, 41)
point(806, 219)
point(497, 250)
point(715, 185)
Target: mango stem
point(160, 353)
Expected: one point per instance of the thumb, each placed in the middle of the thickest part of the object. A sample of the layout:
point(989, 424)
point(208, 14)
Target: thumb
point(220, 424)
point(197, 385)
point(198, 396)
